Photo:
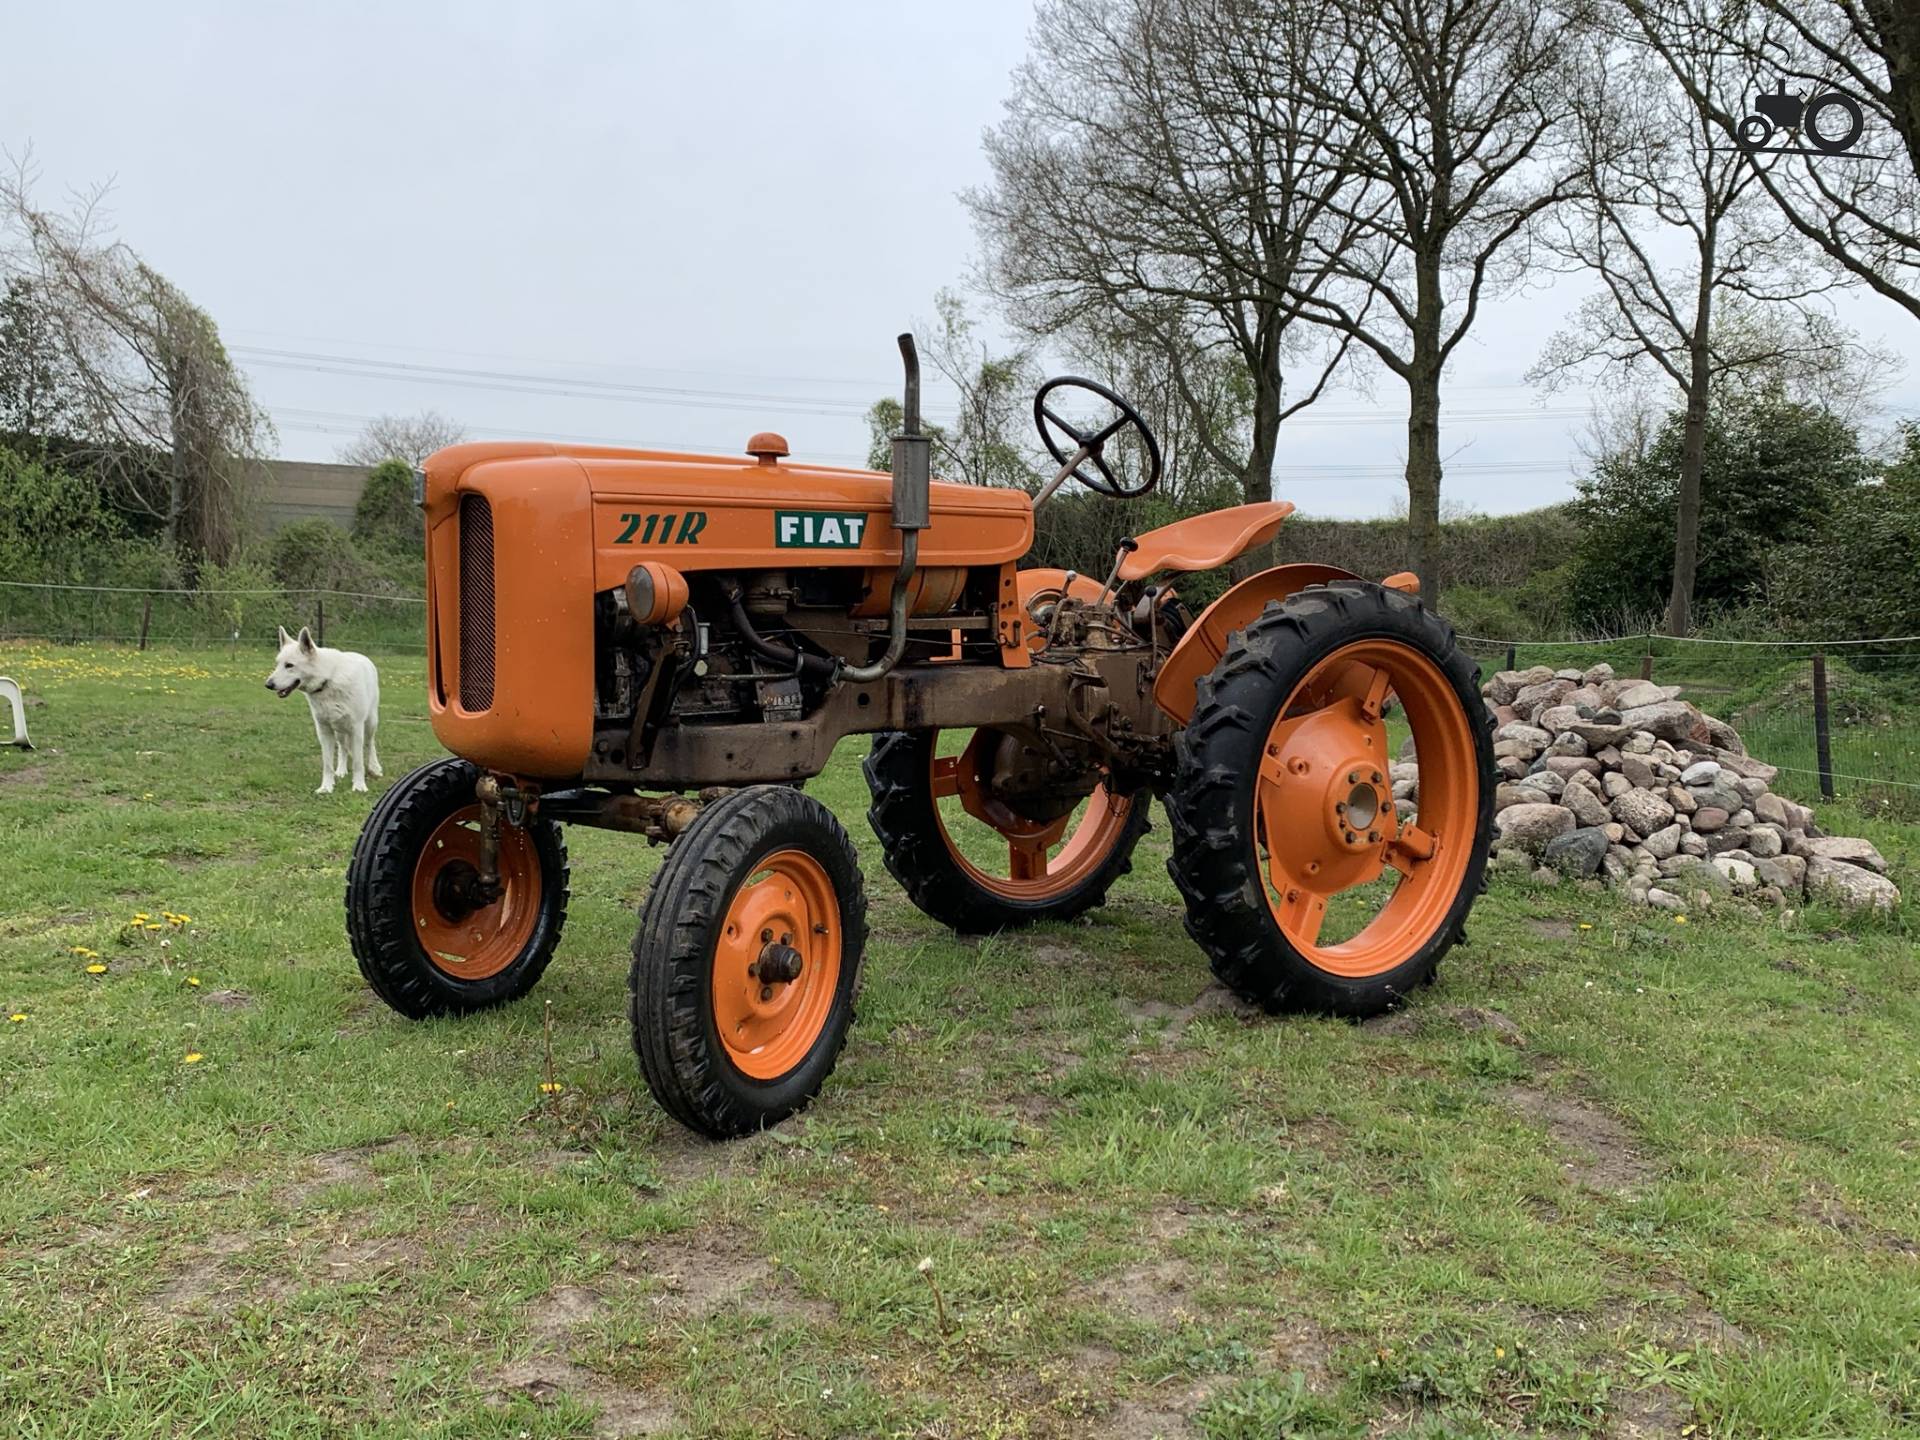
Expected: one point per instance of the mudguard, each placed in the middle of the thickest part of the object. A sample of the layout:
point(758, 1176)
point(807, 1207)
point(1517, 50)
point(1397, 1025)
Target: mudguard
point(1202, 646)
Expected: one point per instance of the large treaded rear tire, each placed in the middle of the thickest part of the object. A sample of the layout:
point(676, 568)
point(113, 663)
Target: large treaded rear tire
point(1216, 858)
point(904, 817)
point(671, 985)
point(382, 928)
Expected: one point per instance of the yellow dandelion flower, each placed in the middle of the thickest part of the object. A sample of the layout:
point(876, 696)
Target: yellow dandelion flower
point(17, 1018)
point(551, 1087)
point(140, 915)
point(1585, 926)
point(96, 969)
point(193, 980)
point(1679, 919)
point(154, 925)
point(84, 953)
point(1499, 1352)
point(193, 1057)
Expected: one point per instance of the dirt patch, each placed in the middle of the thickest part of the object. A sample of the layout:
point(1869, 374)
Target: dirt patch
point(1469, 1019)
point(336, 1167)
point(1822, 1206)
point(27, 775)
point(622, 1413)
point(1651, 1414)
point(1303, 1346)
point(229, 999)
point(41, 924)
point(1600, 1150)
point(1551, 929)
point(1214, 1000)
point(1159, 1292)
point(700, 1273)
point(559, 1312)
point(356, 1261)
point(1166, 1415)
point(206, 1277)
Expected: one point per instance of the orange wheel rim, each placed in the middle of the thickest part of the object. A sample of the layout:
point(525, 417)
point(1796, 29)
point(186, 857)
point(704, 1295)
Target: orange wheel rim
point(461, 939)
point(1045, 859)
point(776, 965)
point(1325, 817)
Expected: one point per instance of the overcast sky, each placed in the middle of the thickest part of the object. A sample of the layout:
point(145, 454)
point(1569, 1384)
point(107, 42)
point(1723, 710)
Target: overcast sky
point(661, 223)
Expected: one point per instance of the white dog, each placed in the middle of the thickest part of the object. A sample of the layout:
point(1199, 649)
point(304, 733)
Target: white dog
point(343, 691)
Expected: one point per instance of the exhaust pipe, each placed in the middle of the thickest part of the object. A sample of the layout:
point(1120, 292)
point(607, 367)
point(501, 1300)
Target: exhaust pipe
point(912, 506)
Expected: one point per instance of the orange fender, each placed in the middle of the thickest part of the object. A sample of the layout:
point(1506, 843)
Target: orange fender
point(1202, 646)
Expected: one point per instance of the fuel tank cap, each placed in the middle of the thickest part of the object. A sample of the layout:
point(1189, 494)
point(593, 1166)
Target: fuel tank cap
point(768, 447)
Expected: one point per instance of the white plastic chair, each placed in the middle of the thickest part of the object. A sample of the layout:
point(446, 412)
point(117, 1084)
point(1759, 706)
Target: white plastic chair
point(10, 692)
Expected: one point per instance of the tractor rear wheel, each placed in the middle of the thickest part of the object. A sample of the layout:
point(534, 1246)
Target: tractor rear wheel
point(426, 942)
point(1305, 884)
point(971, 862)
point(747, 961)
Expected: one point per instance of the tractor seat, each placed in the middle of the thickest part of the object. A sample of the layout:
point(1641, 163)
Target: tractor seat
point(1204, 542)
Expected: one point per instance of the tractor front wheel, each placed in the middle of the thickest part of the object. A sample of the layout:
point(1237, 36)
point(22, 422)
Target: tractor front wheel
point(967, 859)
point(1308, 884)
point(427, 941)
point(747, 962)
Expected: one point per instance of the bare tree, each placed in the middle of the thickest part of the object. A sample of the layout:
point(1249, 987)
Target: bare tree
point(1457, 104)
point(1699, 284)
point(1861, 209)
point(411, 438)
point(1151, 183)
point(162, 411)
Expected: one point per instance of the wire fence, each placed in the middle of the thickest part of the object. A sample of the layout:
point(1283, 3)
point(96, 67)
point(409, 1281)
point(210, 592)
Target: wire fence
point(1839, 717)
point(174, 618)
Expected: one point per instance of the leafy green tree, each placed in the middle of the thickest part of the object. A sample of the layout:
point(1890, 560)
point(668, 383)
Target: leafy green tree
point(36, 398)
point(1773, 470)
point(1860, 575)
point(385, 517)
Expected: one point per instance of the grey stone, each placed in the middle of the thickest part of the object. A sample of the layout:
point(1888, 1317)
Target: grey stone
point(1638, 770)
point(1788, 872)
point(1739, 873)
point(1567, 766)
point(1634, 693)
point(1527, 734)
point(1609, 757)
point(1586, 806)
point(1682, 799)
point(1700, 772)
point(1567, 745)
point(1839, 847)
point(1548, 783)
point(1709, 818)
point(1730, 838)
point(1546, 877)
point(1637, 743)
point(1547, 692)
point(1664, 899)
point(1530, 827)
point(1641, 810)
point(1664, 842)
point(1750, 789)
point(1578, 852)
point(1850, 885)
point(1556, 717)
point(1597, 674)
point(1507, 793)
point(1667, 719)
point(1509, 683)
point(1693, 844)
point(1511, 766)
point(1765, 842)
point(1615, 785)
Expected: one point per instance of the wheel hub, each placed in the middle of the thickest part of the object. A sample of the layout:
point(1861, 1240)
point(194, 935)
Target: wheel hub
point(1357, 803)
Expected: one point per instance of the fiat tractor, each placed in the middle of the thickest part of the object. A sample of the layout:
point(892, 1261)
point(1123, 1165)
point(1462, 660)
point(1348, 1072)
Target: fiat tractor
point(673, 644)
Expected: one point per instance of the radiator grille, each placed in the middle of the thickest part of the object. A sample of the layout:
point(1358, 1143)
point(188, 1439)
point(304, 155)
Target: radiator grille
point(476, 603)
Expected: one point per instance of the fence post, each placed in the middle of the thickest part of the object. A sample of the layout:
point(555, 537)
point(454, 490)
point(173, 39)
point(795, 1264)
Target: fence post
point(146, 619)
point(1510, 661)
point(1646, 664)
point(320, 620)
point(1822, 738)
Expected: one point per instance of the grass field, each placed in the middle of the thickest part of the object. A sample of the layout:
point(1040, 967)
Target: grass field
point(1614, 1175)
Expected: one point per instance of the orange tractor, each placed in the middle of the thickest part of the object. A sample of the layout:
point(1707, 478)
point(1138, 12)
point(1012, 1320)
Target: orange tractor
point(673, 644)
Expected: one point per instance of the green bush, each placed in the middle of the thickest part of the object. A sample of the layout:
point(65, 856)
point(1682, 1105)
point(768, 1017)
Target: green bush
point(316, 555)
point(1860, 575)
point(1774, 468)
point(54, 525)
point(385, 517)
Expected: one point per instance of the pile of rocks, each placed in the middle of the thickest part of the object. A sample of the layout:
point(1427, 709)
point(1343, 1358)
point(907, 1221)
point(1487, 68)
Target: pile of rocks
point(1622, 780)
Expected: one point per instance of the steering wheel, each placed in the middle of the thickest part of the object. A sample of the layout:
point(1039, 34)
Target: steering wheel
point(1053, 428)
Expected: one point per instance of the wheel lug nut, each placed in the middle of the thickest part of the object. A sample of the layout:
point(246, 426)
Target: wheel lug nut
point(1353, 777)
point(786, 937)
point(766, 936)
point(766, 992)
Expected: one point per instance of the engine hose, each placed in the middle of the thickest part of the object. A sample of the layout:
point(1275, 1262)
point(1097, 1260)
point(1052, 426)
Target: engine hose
point(796, 659)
